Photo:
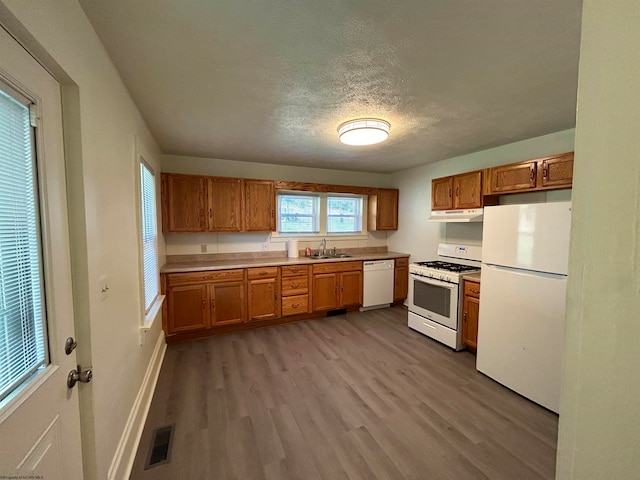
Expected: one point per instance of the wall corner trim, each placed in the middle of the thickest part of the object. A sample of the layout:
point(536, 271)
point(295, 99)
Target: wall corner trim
point(125, 455)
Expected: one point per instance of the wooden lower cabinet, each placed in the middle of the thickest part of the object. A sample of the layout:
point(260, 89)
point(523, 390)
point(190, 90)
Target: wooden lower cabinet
point(350, 288)
point(263, 287)
point(325, 291)
point(219, 301)
point(188, 308)
point(227, 303)
point(337, 285)
point(470, 311)
point(401, 279)
point(295, 290)
point(201, 300)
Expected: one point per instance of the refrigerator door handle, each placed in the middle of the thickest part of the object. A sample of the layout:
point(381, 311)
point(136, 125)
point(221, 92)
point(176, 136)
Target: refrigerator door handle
point(523, 271)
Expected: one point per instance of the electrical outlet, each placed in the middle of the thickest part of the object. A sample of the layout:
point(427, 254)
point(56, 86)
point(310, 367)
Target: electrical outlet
point(203, 248)
point(265, 246)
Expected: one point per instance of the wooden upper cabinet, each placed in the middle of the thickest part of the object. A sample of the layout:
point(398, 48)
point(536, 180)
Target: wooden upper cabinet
point(225, 198)
point(192, 203)
point(260, 211)
point(382, 210)
point(442, 193)
point(556, 171)
point(184, 201)
point(513, 178)
point(545, 173)
point(467, 190)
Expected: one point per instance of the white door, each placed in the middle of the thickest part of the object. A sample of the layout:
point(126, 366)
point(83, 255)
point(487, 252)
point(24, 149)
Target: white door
point(39, 418)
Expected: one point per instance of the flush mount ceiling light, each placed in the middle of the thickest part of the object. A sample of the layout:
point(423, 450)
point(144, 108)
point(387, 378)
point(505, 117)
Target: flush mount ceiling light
point(363, 131)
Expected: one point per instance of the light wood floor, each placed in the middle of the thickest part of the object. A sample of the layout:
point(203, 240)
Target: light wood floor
point(357, 396)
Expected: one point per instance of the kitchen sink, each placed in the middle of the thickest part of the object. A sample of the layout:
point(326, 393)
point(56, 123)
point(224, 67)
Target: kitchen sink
point(315, 256)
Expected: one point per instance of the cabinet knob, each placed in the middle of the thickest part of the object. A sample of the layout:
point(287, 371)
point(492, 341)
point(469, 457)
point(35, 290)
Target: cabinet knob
point(477, 292)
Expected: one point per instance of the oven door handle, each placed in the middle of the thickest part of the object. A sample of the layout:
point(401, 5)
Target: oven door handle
point(433, 281)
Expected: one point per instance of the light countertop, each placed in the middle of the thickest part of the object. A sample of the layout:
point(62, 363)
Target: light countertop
point(199, 266)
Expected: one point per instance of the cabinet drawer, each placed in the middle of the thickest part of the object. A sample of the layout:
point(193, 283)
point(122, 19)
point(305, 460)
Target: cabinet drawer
point(293, 270)
point(402, 262)
point(295, 304)
point(174, 279)
point(262, 272)
point(295, 285)
point(472, 289)
point(337, 267)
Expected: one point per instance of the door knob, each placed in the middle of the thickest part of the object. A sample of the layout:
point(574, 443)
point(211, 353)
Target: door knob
point(78, 375)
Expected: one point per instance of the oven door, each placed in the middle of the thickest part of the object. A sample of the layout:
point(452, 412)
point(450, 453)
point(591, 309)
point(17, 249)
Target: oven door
point(434, 299)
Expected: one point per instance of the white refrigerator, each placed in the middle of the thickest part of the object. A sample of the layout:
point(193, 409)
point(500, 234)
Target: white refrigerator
point(521, 327)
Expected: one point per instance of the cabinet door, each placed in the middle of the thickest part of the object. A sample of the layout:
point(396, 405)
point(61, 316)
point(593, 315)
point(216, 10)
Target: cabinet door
point(183, 203)
point(401, 283)
point(470, 322)
point(557, 171)
point(225, 198)
point(227, 303)
point(387, 209)
point(325, 291)
point(264, 299)
point(467, 190)
point(187, 308)
point(350, 288)
point(260, 215)
point(512, 178)
point(441, 193)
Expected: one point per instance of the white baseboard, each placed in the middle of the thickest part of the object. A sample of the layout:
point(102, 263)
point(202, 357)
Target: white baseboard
point(127, 447)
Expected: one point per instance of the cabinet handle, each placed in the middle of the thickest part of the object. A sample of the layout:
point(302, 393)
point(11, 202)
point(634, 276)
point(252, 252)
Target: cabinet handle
point(203, 304)
point(449, 193)
point(477, 292)
point(295, 305)
point(531, 173)
point(263, 273)
point(213, 303)
point(544, 172)
point(295, 286)
point(464, 317)
point(210, 213)
point(275, 295)
point(457, 192)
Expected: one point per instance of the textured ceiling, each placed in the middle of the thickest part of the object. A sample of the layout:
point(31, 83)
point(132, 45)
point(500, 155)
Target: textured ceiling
point(270, 81)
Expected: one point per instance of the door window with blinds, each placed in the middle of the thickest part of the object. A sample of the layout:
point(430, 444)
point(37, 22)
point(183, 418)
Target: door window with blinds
point(23, 343)
point(149, 235)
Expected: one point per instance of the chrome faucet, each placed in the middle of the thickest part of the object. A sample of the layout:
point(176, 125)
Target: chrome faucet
point(323, 247)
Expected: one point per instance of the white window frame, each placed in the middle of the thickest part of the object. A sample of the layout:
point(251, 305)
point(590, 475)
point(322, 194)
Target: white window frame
point(358, 220)
point(150, 313)
point(39, 344)
point(279, 236)
point(317, 204)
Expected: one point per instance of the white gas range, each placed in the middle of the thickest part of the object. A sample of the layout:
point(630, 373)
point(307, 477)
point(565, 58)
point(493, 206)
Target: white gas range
point(435, 298)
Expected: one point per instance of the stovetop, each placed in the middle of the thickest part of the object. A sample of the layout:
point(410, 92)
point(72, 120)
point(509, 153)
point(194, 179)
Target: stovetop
point(448, 266)
point(441, 270)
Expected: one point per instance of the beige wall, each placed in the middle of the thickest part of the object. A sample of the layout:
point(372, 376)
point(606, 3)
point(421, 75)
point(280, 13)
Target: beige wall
point(599, 412)
point(101, 128)
point(189, 244)
point(419, 237)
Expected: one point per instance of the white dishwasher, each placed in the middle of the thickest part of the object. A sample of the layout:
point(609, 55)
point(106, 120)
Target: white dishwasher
point(377, 288)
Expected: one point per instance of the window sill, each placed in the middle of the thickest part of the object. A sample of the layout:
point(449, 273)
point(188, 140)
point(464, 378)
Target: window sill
point(311, 237)
point(151, 316)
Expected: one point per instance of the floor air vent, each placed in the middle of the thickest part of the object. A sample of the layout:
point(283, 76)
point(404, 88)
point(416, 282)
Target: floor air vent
point(160, 450)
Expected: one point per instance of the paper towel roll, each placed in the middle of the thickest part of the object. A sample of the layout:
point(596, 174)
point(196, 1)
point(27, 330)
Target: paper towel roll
point(292, 248)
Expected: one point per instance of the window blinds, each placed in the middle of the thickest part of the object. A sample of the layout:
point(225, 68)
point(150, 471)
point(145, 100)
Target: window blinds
point(149, 236)
point(22, 342)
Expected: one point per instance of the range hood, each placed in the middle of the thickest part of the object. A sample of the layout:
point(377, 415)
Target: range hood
point(469, 215)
